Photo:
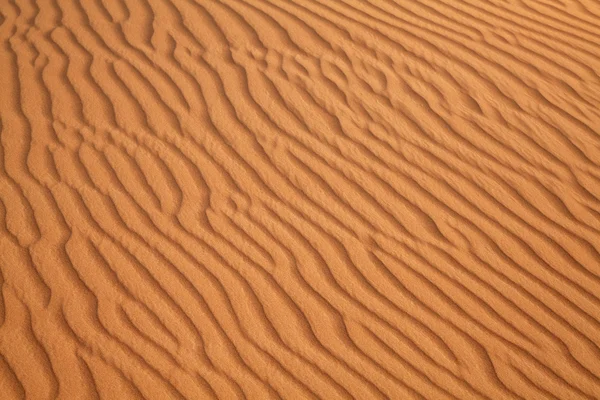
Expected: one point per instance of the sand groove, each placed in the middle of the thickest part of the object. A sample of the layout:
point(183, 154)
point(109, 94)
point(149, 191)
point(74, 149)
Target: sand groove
point(300, 199)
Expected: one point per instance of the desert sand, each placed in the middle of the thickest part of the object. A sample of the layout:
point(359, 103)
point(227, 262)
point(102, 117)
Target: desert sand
point(299, 199)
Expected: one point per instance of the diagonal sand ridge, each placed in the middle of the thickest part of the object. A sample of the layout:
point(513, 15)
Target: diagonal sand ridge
point(299, 199)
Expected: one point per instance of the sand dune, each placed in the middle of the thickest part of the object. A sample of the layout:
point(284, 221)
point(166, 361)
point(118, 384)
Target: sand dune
point(300, 199)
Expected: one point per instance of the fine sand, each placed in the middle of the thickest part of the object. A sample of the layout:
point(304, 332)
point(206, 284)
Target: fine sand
point(299, 199)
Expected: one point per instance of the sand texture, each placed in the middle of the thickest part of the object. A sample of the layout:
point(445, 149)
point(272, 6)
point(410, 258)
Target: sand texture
point(299, 199)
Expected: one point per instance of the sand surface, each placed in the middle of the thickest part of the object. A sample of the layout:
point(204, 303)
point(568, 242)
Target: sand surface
point(299, 199)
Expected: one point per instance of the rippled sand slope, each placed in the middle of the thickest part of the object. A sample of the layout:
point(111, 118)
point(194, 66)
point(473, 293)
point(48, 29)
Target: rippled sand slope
point(300, 199)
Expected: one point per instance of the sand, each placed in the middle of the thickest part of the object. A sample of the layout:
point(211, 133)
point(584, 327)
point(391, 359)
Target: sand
point(299, 199)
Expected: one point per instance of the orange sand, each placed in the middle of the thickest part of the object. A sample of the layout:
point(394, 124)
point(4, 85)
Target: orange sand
point(300, 199)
